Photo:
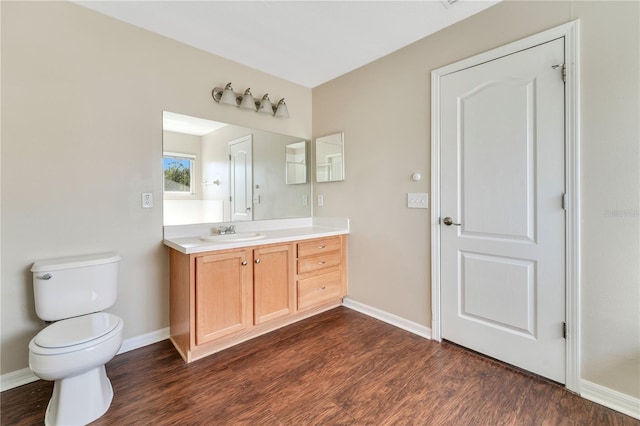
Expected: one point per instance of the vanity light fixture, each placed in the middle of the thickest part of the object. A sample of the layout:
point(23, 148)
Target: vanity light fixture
point(264, 106)
point(248, 101)
point(281, 109)
point(227, 96)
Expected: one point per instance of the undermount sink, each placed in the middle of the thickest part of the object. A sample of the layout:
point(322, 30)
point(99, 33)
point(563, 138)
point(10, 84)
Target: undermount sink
point(230, 238)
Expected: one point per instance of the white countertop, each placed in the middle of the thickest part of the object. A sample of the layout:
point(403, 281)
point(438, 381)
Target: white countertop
point(274, 232)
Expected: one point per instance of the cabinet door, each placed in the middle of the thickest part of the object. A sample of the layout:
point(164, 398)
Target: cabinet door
point(223, 298)
point(273, 282)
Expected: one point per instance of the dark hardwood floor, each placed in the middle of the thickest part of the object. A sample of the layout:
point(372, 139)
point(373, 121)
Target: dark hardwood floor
point(338, 368)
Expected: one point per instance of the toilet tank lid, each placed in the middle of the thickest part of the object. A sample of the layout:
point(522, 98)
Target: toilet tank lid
point(71, 262)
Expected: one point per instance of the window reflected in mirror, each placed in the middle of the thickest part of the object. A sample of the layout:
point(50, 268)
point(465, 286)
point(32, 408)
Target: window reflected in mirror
point(177, 169)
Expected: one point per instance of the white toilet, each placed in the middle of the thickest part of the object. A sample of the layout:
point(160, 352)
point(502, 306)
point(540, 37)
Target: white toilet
point(73, 350)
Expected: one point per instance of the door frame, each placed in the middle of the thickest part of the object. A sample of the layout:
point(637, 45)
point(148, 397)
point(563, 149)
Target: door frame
point(571, 33)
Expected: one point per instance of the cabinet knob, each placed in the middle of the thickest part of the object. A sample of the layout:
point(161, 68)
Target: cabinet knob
point(257, 260)
point(244, 263)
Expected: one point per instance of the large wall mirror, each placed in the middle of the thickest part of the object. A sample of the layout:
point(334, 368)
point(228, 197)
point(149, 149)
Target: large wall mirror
point(217, 172)
point(330, 158)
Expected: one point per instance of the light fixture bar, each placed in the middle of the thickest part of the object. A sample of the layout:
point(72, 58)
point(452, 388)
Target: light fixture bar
point(228, 96)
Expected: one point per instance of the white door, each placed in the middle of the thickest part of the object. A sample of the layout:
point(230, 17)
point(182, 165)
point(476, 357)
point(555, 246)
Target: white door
point(241, 179)
point(502, 185)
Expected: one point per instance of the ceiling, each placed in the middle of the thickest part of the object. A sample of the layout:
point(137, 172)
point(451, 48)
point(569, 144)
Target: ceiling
point(305, 42)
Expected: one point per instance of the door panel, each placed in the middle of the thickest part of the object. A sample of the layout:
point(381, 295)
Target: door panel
point(498, 292)
point(502, 181)
point(482, 211)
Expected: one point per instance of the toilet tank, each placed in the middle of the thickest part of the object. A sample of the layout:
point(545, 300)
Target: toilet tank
point(71, 286)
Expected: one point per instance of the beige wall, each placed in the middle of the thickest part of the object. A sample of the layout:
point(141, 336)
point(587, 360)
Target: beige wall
point(384, 111)
point(82, 102)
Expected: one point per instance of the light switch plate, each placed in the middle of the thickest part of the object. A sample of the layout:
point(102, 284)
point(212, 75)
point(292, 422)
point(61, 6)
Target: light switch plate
point(417, 200)
point(147, 200)
point(320, 201)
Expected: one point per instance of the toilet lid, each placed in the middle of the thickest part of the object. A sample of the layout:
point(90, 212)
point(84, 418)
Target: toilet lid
point(74, 331)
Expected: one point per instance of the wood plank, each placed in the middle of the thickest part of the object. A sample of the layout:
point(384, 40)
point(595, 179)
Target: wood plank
point(337, 367)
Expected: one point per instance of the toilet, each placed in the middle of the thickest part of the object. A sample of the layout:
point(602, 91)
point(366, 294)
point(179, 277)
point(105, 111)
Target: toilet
point(72, 351)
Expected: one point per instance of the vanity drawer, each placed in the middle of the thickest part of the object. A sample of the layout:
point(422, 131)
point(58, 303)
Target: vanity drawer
point(316, 247)
point(316, 263)
point(316, 290)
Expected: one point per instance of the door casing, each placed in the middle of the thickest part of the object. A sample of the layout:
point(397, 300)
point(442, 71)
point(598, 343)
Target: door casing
point(570, 33)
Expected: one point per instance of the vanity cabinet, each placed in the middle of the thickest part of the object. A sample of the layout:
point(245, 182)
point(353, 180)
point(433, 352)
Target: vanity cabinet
point(223, 297)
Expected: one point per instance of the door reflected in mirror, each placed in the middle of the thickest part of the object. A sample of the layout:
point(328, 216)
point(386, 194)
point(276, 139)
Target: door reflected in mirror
point(330, 158)
point(234, 173)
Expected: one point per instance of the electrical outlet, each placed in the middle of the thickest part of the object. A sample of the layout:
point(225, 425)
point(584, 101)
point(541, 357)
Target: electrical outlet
point(305, 200)
point(147, 200)
point(320, 201)
point(418, 200)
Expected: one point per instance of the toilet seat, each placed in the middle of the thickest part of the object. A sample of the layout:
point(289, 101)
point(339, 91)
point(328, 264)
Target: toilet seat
point(75, 334)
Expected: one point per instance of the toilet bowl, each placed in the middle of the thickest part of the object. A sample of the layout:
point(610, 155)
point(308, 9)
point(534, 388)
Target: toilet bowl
point(72, 353)
point(70, 294)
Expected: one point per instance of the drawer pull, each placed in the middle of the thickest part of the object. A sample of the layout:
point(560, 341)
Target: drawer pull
point(244, 263)
point(321, 247)
point(321, 288)
point(322, 263)
point(257, 260)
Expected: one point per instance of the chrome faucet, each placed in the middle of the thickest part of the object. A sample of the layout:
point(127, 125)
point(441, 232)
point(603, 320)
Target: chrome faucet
point(224, 229)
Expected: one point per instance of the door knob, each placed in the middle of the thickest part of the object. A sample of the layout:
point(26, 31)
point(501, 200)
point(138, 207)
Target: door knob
point(448, 221)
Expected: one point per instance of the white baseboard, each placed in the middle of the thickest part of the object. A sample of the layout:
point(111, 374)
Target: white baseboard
point(610, 398)
point(16, 378)
point(22, 377)
point(144, 340)
point(392, 319)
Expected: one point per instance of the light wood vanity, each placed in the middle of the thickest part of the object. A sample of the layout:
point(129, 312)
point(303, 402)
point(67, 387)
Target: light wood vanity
point(219, 298)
